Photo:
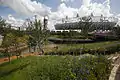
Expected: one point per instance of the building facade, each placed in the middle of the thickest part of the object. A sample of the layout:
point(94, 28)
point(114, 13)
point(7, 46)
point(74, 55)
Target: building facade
point(97, 23)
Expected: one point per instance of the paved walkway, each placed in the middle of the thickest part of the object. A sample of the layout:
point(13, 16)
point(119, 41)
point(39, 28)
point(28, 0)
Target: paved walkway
point(117, 77)
point(115, 72)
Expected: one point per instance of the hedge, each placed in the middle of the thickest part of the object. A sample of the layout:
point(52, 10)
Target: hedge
point(105, 50)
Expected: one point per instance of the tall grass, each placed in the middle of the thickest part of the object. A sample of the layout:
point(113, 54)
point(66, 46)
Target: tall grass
point(57, 68)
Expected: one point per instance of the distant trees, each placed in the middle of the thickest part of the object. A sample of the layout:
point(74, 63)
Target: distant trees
point(5, 28)
point(2, 24)
point(35, 37)
point(12, 43)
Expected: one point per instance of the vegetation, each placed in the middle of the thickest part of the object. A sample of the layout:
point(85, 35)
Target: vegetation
point(71, 49)
point(12, 43)
point(86, 25)
point(117, 31)
point(35, 37)
point(18, 42)
point(86, 67)
point(2, 24)
point(73, 36)
point(38, 36)
point(82, 67)
point(7, 42)
point(0, 42)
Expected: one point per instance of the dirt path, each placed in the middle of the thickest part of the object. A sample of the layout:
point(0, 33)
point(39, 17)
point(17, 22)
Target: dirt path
point(47, 48)
point(117, 77)
point(115, 72)
point(3, 60)
point(118, 74)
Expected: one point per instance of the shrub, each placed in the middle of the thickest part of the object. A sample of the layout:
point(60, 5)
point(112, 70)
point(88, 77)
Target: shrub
point(77, 51)
point(86, 67)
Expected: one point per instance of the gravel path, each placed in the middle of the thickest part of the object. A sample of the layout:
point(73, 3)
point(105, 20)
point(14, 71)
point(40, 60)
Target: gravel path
point(118, 74)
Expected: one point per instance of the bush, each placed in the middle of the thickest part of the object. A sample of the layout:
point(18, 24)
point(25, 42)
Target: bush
point(77, 51)
point(1, 55)
point(92, 68)
point(86, 67)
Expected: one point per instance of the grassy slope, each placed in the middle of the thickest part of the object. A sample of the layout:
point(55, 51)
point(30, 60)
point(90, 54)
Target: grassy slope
point(66, 47)
point(46, 68)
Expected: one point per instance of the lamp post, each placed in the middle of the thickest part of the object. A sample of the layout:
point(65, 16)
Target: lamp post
point(45, 22)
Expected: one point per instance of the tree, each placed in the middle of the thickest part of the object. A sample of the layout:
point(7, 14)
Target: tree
point(18, 42)
point(86, 23)
point(12, 43)
point(31, 43)
point(6, 44)
point(116, 31)
point(39, 36)
point(2, 24)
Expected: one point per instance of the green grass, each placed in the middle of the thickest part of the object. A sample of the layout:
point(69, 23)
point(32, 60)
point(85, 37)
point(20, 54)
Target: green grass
point(67, 47)
point(0, 42)
point(68, 37)
point(56, 68)
point(1, 55)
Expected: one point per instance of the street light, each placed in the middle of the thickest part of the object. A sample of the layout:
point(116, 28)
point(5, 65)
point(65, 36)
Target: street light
point(45, 22)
